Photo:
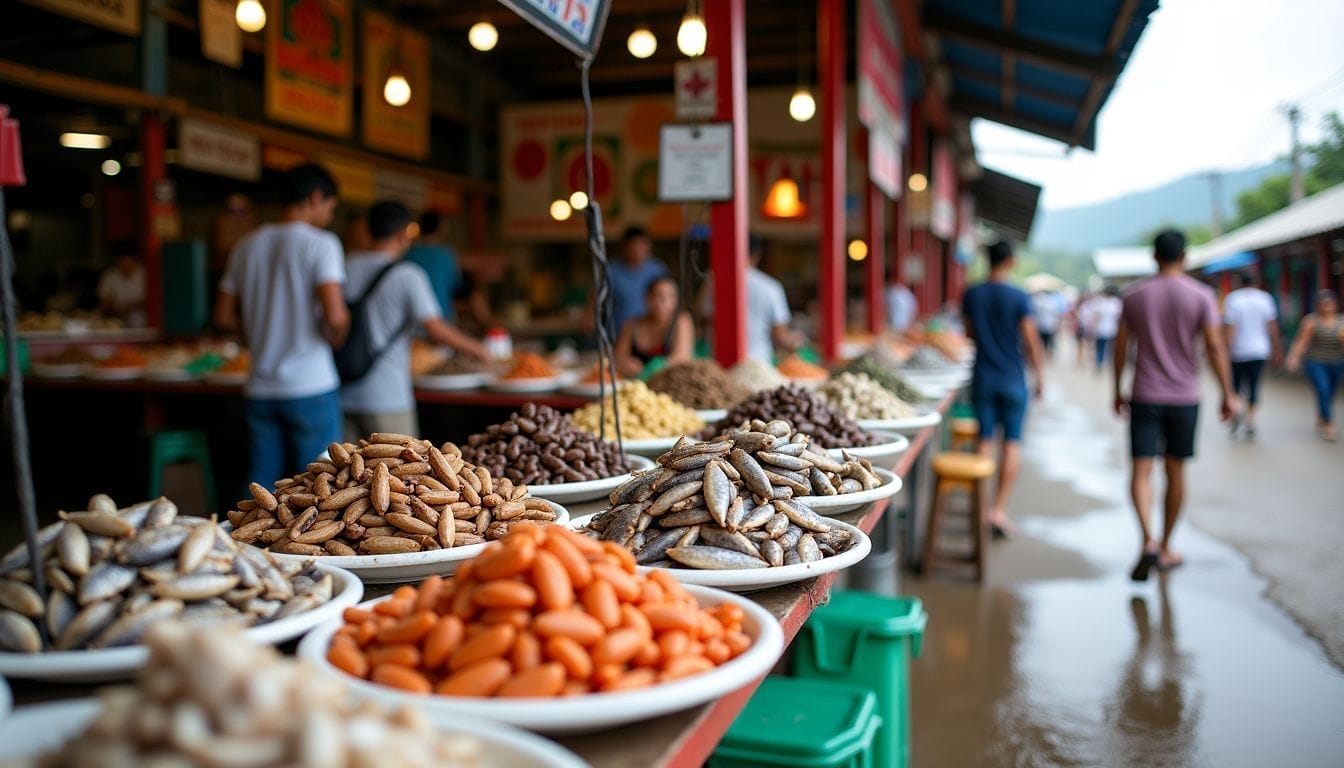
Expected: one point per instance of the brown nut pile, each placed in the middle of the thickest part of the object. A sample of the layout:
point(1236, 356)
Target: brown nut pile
point(390, 494)
point(208, 698)
point(828, 427)
point(539, 446)
point(699, 384)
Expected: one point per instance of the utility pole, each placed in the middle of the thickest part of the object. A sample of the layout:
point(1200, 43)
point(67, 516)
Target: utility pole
point(1216, 198)
point(1298, 189)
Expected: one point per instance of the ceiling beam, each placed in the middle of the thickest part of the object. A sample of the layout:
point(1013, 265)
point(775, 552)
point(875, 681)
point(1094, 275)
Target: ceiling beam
point(998, 41)
point(1008, 90)
point(503, 17)
point(1032, 92)
point(1091, 103)
point(976, 108)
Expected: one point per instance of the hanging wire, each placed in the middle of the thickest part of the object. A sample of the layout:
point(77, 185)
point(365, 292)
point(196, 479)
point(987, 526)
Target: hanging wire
point(604, 307)
point(17, 417)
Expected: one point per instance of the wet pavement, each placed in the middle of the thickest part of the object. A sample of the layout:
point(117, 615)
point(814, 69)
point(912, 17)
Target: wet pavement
point(1058, 659)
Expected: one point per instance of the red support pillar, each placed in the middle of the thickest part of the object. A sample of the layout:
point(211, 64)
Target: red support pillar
point(900, 237)
point(152, 171)
point(831, 249)
point(476, 220)
point(725, 22)
point(877, 258)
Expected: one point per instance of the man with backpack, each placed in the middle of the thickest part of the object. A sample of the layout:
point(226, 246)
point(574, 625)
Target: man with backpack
point(282, 289)
point(388, 298)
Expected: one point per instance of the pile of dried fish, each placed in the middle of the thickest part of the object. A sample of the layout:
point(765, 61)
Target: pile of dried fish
point(390, 494)
point(731, 503)
point(113, 573)
point(210, 698)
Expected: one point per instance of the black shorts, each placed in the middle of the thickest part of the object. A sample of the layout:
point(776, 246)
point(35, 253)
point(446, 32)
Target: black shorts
point(1162, 430)
point(1246, 379)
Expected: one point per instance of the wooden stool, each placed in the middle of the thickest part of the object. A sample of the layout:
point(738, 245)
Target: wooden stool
point(959, 470)
point(965, 434)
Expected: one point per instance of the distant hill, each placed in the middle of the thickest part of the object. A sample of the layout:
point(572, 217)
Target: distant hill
point(1122, 220)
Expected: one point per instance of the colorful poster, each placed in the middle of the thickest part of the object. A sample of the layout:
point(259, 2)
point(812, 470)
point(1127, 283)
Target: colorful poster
point(117, 15)
point(881, 95)
point(400, 130)
point(542, 161)
point(309, 72)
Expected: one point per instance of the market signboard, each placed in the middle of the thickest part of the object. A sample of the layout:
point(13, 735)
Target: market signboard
point(400, 130)
point(117, 15)
point(575, 24)
point(943, 206)
point(221, 39)
point(309, 65)
point(542, 161)
point(210, 148)
point(880, 94)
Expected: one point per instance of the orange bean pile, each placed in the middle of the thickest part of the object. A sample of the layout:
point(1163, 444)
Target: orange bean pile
point(545, 612)
point(529, 365)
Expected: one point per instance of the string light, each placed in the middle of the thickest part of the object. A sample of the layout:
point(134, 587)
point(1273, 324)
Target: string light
point(561, 210)
point(918, 182)
point(857, 250)
point(111, 167)
point(641, 43)
point(483, 36)
point(579, 200)
point(250, 15)
point(692, 35)
point(397, 89)
point(802, 107)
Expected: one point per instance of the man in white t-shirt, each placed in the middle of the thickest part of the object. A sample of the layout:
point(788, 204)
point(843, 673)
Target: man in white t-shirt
point(282, 288)
point(1250, 324)
point(901, 307)
point(121, 288)
point(1103, 319)
point(383, 400)
point(768, 312)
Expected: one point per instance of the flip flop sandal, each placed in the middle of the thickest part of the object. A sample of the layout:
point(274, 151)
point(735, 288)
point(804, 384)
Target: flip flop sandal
point(998, 531)
point(1146, 563)
point(1161, 566)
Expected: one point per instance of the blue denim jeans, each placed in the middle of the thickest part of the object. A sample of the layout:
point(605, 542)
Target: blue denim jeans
point(284, 435)
point(1324, 379)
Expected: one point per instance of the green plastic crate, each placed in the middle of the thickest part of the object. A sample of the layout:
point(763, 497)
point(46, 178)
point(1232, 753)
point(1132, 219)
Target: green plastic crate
point(796, 723)
point(868, 639)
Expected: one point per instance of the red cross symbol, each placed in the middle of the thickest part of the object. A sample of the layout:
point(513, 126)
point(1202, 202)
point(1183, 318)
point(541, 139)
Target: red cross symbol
point(695, 84)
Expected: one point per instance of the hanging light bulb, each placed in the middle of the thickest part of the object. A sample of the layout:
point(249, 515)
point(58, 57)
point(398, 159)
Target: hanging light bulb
point(250, 15)
point(858, 250)
point(641, 43)
point(397, 89)
point(111, 167)
point(802, 107)
point(692, 35)
point(783, 201)
point(561, 210)
point(579, 200)
point(483, 36)
point(918, 182)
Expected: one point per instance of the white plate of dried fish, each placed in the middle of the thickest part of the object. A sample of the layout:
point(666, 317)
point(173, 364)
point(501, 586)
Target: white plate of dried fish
point(408, 566)
point(915, 423)
point(589, 712)
point(103, 664)
point(890, 446)
point(848, 502)
point(40, 728)
point(752, 578)
point(588, 490)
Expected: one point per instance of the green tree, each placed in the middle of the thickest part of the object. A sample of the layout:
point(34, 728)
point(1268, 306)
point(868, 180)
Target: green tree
point(1325, 169)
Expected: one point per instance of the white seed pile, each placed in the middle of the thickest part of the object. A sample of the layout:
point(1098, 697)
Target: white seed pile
point(859, 396)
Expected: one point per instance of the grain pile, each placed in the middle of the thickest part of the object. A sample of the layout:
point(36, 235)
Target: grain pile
point(757, 375)
point(645, 414)
point(699, 384)
point(859, 396)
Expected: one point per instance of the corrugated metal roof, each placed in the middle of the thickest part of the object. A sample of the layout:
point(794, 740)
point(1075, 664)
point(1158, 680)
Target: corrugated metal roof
point(1046, 66)
point(1006, 202)
point(1134, 261)
point(1322, 212)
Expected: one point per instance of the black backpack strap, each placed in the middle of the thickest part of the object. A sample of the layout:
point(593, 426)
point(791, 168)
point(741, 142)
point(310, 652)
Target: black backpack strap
point(378, 278)
point(359, 304)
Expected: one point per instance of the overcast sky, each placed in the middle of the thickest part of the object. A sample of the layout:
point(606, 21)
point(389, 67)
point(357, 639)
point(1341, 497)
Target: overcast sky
point(1201, 91)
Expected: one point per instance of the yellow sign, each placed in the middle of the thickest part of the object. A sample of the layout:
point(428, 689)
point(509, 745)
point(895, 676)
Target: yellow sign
point(400, 130)
point(309, 74)
point(116, 15)
point(354, 180)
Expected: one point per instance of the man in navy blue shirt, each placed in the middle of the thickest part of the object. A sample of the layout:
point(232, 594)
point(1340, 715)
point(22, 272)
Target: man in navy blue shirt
point(999, 321)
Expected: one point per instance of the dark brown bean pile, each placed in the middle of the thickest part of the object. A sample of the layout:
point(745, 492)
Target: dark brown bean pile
point(699, 384)
point(810, 415)
point(539, 446)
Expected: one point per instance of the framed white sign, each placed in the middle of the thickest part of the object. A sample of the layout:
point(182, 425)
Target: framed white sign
point(695, 162)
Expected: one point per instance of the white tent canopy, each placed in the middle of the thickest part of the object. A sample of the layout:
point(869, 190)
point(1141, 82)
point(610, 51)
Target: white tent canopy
point(1132, 261)
point(1322, 212)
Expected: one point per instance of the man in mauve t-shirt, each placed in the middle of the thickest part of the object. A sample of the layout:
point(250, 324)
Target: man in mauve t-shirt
point(1166, 315)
